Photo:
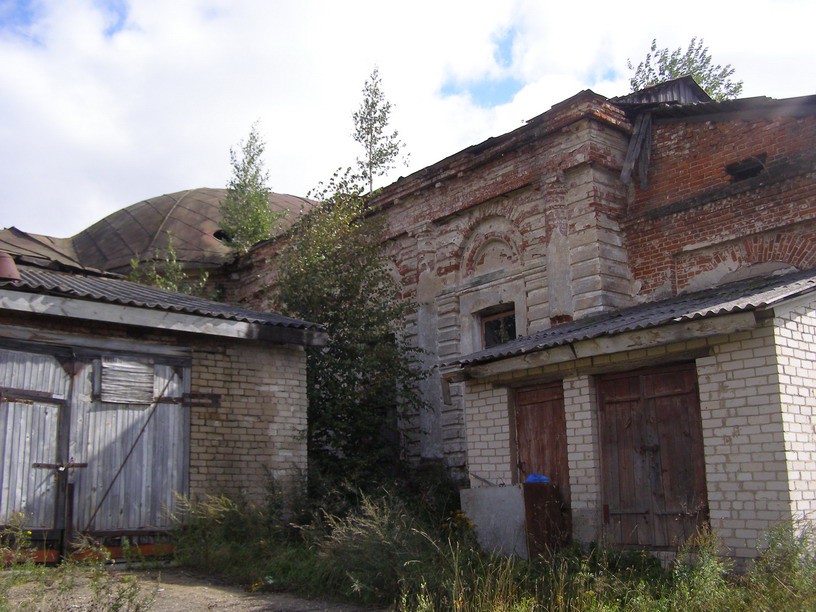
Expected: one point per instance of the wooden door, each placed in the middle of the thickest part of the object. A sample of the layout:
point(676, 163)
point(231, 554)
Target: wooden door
point(114, 431)
point(653, 468)
point(541, 435)
point(33, 392)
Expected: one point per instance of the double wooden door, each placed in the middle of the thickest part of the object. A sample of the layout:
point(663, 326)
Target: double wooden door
point(653, 469)
point(93, 443)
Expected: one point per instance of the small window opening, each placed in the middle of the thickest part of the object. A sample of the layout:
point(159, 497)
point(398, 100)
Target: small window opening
point(498, 326)
point(747, 168)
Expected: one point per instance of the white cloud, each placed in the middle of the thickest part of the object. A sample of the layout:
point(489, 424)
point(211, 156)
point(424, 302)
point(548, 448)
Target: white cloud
point(97, 113)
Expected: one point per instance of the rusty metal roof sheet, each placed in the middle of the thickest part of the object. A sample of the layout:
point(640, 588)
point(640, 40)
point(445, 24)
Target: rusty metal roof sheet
point(761, 105)
point(34, 248)
point(126, 293)
point(752, 294)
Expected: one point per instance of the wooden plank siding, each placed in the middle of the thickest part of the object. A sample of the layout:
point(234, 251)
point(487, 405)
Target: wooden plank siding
point(132, 459)
point(652, 464)
point(31, 405)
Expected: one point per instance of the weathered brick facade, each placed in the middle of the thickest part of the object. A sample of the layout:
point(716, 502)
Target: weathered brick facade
point(543, 223)
point(694, 224)
point(258, 429)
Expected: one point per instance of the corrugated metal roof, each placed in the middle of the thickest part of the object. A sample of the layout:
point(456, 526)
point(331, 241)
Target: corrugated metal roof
point(673, 110)
point(115, 291)
point(752, 294)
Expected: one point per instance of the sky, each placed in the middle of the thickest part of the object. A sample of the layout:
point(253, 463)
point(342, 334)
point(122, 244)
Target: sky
point(105, 103)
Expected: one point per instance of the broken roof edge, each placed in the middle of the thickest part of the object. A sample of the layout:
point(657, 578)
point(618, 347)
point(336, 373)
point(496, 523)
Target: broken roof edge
point(124, 302)
point(734, 298)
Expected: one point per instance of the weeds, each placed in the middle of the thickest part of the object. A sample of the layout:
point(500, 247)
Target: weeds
point(390, 550)
point(82, 581)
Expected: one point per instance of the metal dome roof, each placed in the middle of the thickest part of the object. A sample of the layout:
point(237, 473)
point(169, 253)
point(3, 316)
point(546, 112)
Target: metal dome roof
point(193, 219)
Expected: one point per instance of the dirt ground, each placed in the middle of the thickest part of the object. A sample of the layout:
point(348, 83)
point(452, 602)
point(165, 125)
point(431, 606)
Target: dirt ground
point(171, 590)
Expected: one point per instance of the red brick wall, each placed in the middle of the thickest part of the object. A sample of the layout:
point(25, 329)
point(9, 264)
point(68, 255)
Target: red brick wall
point(693, 219)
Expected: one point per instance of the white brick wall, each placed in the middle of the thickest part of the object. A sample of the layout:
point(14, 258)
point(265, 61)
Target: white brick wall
point(258, 429)
point(487, 422)
point(758, 409)
point(743, 438)
point(796, 349)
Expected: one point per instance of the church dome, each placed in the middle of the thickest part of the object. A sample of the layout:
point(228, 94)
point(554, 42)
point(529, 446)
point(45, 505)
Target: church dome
point(193, 219)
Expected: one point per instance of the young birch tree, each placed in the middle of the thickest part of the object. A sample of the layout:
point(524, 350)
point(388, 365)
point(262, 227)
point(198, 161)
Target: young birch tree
point(247, 218)
point(381, 148)
point(663, 65)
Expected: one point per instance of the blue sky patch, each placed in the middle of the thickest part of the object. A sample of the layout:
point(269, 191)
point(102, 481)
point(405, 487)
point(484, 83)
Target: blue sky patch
point(16, 14)
point(116, 11)
point(504, 48)
point(490, 92)
point(486, 93)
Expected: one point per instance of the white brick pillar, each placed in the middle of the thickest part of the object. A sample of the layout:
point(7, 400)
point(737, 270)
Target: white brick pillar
point(487, 425)
point(583, 453)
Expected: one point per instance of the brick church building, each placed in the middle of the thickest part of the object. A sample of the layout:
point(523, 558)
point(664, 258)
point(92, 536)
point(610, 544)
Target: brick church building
point(618, 295)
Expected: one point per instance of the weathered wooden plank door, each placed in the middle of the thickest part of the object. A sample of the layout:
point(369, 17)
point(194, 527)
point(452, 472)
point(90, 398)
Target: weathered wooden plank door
point(541, 440)
point(541, 435)
point(34, 389)
point(653, 468)
point(123, 420)
point(136, 447)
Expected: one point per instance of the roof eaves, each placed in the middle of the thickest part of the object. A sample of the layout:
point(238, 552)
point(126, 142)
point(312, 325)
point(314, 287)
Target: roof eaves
point(750, 295)
point(129, 294)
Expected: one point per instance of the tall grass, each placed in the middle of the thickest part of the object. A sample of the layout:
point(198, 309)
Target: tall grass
point(385, 550)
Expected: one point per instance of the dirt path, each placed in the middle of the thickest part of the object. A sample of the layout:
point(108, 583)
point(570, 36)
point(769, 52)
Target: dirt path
point(179, 590)
point(171, 590)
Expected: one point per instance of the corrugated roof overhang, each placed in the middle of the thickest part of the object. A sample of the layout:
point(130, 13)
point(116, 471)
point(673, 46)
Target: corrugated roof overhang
point(691, 315)
point(111, 300)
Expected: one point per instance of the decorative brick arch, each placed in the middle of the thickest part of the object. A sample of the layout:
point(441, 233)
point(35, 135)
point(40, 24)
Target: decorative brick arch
point(491, 244)
point(722, 262)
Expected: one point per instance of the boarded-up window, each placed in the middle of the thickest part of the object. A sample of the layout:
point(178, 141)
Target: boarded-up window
point(125, 380)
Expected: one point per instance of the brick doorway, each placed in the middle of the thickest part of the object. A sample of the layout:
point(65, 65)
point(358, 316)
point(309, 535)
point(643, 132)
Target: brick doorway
point(652, 463)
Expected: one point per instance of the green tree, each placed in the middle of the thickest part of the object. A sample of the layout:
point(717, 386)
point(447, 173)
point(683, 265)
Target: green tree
point(165, 271)
point(247, 218)
point(381, 149)
point(663, 65)
point(335, 272)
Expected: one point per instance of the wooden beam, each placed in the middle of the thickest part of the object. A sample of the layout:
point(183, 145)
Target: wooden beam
point(25, 336)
